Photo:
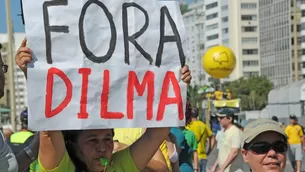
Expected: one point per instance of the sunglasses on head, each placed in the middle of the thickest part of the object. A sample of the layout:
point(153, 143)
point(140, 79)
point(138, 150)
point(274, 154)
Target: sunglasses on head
point(265, 147)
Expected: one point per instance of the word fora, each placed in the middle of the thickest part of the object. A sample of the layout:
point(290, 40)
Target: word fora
point(132, 85)
point(128, 38)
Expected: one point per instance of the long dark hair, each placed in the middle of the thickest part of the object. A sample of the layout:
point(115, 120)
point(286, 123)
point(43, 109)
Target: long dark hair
point(71, 137)
point(188, 112)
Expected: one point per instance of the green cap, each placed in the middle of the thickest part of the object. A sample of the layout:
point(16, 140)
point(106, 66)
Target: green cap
point(104, 162)
point(225, 112)
point(254, 128)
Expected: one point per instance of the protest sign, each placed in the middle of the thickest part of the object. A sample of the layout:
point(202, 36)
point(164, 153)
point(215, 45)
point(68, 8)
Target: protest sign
point(105, 64)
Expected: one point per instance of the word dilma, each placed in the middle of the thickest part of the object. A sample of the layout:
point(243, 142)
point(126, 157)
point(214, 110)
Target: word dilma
point(147, 85)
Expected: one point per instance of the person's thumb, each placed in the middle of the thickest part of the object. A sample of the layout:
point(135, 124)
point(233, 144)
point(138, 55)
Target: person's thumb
point(23, 43)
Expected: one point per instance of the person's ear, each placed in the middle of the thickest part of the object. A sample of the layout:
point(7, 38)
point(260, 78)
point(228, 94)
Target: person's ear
point(244, 153)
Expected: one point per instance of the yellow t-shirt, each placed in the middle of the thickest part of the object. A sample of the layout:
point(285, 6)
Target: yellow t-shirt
point(120, 162)
point(202, 132)
point(294, 133)
point(129, 135)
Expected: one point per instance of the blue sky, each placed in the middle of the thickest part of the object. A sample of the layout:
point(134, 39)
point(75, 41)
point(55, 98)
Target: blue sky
point(17, 22)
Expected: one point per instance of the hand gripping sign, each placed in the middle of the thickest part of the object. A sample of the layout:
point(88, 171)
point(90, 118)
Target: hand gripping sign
point(105, 64)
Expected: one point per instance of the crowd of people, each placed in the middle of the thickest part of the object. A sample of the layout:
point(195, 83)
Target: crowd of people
point(262, 144)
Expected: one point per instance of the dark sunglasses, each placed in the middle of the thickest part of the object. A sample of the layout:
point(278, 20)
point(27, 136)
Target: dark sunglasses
point(265, 147)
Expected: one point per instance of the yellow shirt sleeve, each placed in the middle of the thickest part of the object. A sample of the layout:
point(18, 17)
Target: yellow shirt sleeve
point(301, 131)
point(209, 131)
point(127, 135)
point(66, 165)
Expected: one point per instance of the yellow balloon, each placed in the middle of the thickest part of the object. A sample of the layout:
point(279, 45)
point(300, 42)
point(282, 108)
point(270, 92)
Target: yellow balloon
point(219, 62)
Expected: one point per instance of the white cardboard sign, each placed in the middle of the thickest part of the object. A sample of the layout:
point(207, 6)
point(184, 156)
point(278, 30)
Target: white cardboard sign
point(105, 64)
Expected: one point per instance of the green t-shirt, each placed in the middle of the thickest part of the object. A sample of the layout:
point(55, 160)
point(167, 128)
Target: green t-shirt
point(120, 162)
point(190, 139)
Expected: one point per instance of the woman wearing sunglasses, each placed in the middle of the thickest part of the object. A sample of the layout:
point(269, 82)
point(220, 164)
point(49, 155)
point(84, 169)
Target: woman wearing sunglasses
point(264, 146)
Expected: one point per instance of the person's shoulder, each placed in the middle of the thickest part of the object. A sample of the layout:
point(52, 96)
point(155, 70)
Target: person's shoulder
point(66, 165)
point(190, 135)
point(235, 129)
point(288, 126)
point(176, 131)
point(122, 153)
point(300, 126)
point(122, 160)
point(200, 123)
point(189, 132)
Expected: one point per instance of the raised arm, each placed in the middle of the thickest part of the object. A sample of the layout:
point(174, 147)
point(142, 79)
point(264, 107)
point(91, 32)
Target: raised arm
point(148, 143)
point(212, 140)
point(52, 149)
point(52, 145)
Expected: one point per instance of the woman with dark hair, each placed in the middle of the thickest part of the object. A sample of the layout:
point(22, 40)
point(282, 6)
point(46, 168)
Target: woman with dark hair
point(91, 150)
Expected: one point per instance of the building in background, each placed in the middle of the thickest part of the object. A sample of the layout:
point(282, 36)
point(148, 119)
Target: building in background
point(194, 21)
point(280, 41)
point(20, 82)
point(4, 101)
point(187, 1)
point(221, 22)
point(240, 32)
point(302, 6)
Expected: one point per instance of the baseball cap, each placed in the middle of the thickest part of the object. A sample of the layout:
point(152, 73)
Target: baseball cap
point(254, 128)
point(293, 117)
point(224, 112)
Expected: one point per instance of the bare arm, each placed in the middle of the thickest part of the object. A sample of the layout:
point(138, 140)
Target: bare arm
point(155, 166)
point(195, 156)
point(52, 149)
point(233, 154)
point(159, 157)
point(148, 143)
point(212, 142)
point(23, 159)
point(214, 166)
point(52, 145)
